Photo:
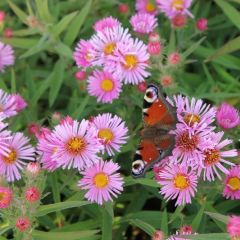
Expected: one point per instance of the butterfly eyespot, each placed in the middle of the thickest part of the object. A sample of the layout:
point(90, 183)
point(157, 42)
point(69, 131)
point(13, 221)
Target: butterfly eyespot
point(138, 167)
point(149, 94)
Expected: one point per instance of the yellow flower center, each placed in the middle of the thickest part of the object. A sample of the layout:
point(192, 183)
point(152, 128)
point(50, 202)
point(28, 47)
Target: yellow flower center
point(178, 4)
point(212, 156)
point(130, 61)
point(181, 181)
point(234, 183)
point(101, 180)
point(75, 145)
point(88, 57)
point(2, 196)
point(190, 119)
point(11, 158)
point(107, 85)
point(109, 48)
point(187, 143)
point(106, 134)
point(150, 7)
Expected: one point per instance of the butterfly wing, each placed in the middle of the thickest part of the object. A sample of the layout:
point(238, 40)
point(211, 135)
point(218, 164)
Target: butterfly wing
point(159, 118)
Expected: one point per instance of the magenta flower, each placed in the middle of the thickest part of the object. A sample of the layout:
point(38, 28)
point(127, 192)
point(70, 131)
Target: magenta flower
point(106, 23)
point(20, 103)
point(12, 162)
point(111, 131)
point(82, 54)
point(101, 182)
point(213, 157)
point(75, 145)
point(233, 227)
point(7, 105)
point(104, 86)
point(227, 116)
point(146, 6)
point(6, 195)
point(171, 8)
point(143, 23)
point(6, 56)
point(178, 183)
point(232, 184)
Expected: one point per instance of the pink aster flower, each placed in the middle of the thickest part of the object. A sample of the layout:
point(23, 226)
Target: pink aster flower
point(130, 62)
point(4, 135)
point(227, 116)
point(232, 184)
point(213, 158)
point(5, 197)
point(105, 23)
point(6, 56)
point(105, 43)
point(75, 145)
point(173, 7)
point(146, 6)
point(179, 183)
point(20, 103)
point(143, 23)
point(104, 86)
point(233, 227)
point(101, 182)
point(111, 131)
point(82, 54)
point(12, 162)
point(7, 105)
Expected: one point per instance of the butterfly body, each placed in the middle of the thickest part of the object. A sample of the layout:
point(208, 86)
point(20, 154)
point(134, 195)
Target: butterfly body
point(159, 118)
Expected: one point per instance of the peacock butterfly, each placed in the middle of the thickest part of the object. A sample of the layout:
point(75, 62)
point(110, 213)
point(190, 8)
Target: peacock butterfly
point(159, 117)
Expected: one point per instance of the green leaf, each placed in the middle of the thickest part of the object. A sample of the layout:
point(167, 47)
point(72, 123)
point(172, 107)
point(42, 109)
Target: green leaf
point(63, 50)
point(43, 210)
point(13, 81)
point(63, 24)
point(230, 12)
point(198, 218)
point(193, 47)
point(56, 81)
point(144, 181)
point(150, 230)
point(22, 15)
point(172, 41)
point(79, 235)
point(25, 32)
point(218, 216)
point(106, 224)
point(217, 236)
point(164, 222)
point(231, 46)
point(79, 110)
point(75, 26)
point(24, 43)
point(43, 11)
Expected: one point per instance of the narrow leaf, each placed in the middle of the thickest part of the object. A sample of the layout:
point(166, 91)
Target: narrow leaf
point(22, 15)
point(106, 225)
point(193, 47)
point(24, 43)
point(197, 220)
point(218, 216)
point(150, 230)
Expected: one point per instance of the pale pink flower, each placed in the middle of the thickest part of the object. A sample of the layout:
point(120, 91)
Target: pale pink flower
point(154, 37)
point(6, 56)
point(12, 162)
point(146, 6)
point(22, 224)
point(201, 24)
point(104, 86)
point(143, 23)
point(33, 168)
point(214, 157)
point(32, 194)
point(111, 131)
point(227, 116)
point(6, 195)
point(106, 23)
point(82, 54)
point(173, 7)
point(233, 227)
point(232, 184)
point(7, 105)
point(101, 182)
point(20, 103)
point(4, 136)
point(179, 183)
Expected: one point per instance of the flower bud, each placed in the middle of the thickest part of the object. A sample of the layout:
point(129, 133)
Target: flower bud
point(32, 194)
point(80, 75)
point(154, 48)
point(174, 58)
point(166, 80)
point(33, 168)
point(22, 224)
point(123, 8)
point(179, 21)
point(201, 24)
point(158, 235)
point(142, 86)
point(8, 33)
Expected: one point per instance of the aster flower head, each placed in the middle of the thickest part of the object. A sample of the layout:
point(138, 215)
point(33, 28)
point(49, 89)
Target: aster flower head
point(173, 7)
point(232, 184)
point(143, 23)
point(106, 23)
point(101, 182)
point(19, 151)
point(146, 6)
point(82, 54)
point(227, 116)
point(104, 86)
point(4, 135)
point(6, 56)
point(130, 62)
point(8, 107)
point(5, 197)
point(178, 182)
point(104, 43)
point(214, 157)
point(111, 132)
point(20, 103)
point(75, 145)
point(233, 227)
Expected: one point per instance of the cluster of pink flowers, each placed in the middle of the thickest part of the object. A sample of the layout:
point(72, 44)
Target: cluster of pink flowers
point(120, 59)
point(198, 154)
